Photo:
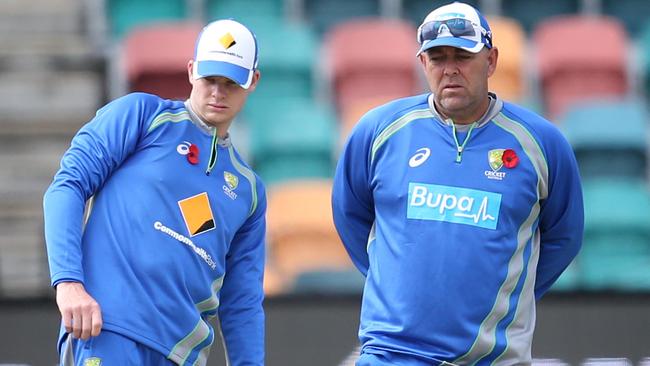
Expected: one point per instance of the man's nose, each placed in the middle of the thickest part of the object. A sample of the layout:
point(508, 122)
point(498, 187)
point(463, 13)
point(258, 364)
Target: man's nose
point(219, 89)
point(451, 67)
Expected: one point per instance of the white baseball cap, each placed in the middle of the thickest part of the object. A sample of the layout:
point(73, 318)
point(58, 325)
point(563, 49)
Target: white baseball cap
point(226, 48)
point(457, 25)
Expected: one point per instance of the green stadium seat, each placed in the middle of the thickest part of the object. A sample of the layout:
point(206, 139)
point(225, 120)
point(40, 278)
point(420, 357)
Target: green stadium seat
point(124, 15)
point(633, 13)
point(531, 12)
point(325, 14)
point(249, 12)
point(416, 10)
point(609, 138)
point(287, 54)
point(616, 250)
point(291, 138)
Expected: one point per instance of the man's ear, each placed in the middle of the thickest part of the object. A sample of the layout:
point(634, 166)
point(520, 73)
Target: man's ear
point(423, 58)
point(493, 57)
point(256, 78)
point(190, 71)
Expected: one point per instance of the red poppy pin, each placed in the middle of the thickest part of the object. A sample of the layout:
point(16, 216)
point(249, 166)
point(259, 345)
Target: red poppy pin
point(193, 155)
point(510, 158)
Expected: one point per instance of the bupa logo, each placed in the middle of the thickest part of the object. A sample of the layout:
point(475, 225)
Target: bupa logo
point(453, 204)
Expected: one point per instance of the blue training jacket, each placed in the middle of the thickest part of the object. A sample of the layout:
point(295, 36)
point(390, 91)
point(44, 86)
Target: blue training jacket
point(457, 232)
point(170, 241)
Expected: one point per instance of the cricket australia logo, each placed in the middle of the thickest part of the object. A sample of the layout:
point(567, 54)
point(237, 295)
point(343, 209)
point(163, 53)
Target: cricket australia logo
point(93, 361)
point(495, 160)
point(232, 181)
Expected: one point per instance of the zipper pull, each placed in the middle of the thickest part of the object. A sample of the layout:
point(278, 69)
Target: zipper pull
point(213, 153)
point(459, 154)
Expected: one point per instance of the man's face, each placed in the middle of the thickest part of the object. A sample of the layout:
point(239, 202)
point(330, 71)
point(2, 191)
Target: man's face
point(217, 99)
point(458, 80)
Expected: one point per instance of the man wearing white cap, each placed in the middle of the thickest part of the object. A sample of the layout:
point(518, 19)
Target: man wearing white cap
point(461, 210)
point(174, 235)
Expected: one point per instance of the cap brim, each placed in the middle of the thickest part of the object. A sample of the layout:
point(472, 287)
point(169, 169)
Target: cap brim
point(465, 44)
point(236, 73)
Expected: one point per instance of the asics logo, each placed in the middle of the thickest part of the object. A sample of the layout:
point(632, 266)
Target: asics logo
point(421, 155)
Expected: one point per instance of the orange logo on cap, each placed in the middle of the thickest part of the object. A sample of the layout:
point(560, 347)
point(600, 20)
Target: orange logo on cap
point(227, 40)
point(197, 214)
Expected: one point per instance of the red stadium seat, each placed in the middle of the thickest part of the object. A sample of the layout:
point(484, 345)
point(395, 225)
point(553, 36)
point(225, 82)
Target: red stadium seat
point(156, 56)
point(371, 57)
point(579, 58)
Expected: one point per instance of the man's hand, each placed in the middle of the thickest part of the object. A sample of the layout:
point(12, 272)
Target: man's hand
point(81, 314)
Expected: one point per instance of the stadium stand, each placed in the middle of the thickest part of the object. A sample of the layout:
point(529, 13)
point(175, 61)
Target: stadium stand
point(326, 14)
point(301, 234)
point(297, 145)
point(509, 36)
point(531, 12)
point(609, 137)
point(595, 67)
point(251, 12)
point(359, 77)
point(124, 15)
point(51, 81)
point(616, 250)
point(361, 68)
point(155, 58)
point(633, 13)
point(288, 53)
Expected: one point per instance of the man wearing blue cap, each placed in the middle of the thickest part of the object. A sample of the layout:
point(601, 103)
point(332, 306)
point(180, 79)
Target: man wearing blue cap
point(174, 233)
point(461, 210)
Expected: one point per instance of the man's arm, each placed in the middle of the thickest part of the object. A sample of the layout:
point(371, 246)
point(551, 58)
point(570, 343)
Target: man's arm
point(562, 216)
point(240, 311)
point(95, 152)
point(352, 201)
